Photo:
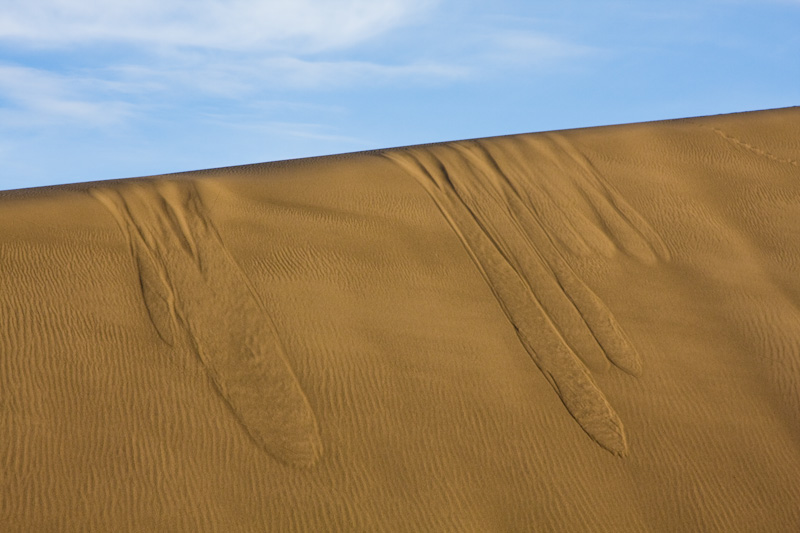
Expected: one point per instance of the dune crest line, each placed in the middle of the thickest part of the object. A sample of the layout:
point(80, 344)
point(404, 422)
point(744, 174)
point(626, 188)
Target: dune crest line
point(194, 290)
point(514, 226)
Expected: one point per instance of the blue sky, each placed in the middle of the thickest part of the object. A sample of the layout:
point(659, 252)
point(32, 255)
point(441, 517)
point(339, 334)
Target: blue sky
point(100, 89)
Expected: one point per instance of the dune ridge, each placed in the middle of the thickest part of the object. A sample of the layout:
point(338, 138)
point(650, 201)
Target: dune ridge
point(346, 343)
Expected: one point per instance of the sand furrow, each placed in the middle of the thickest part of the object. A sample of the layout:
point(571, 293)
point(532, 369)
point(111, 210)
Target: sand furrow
point(498, 262)
point(190, 283)
point(625, 225)
point(587, 322)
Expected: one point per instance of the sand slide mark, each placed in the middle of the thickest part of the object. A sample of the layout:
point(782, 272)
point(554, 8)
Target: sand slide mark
point(194, 290)
point(577, 177)
point(498, 216)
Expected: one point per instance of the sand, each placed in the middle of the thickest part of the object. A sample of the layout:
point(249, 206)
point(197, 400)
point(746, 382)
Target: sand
point(585, 330)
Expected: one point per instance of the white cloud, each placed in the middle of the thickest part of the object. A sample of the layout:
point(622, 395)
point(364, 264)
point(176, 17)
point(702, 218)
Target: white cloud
point(294, 72)
point(36, 97)
point(238, 76)
point(300, 25)
point(33, 98)
point(179, 49)
point(303, 130)
point(530, 48)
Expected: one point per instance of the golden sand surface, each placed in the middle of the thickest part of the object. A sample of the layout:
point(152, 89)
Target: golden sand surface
point(585, 330)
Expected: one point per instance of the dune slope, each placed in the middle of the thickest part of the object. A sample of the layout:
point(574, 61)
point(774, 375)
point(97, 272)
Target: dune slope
point(592, 329)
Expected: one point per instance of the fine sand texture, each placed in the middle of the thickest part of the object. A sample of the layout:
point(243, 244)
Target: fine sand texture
point(585, 330)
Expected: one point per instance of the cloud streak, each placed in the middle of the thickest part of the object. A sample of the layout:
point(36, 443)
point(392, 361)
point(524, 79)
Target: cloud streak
point(180, 51)
point(305, 26)
point(37, 97)
point(237, 76)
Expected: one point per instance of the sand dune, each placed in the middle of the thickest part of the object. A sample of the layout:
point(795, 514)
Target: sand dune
point(586, 330)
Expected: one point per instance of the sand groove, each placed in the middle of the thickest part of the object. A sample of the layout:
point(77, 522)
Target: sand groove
point(587, 196)
point(194, 290)
point(511, 228)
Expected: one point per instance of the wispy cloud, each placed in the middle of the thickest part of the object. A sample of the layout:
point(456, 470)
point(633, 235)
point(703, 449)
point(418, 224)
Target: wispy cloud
point(35, 97)
point(305, 26)
point(178, 51)
point(302, 130)
point(234, 76)
point(189, 49)
point(517, 47)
